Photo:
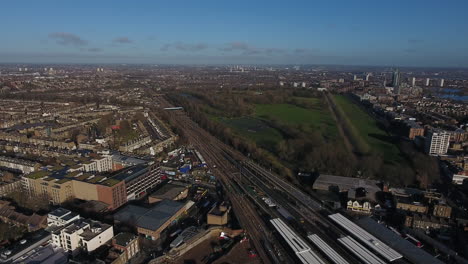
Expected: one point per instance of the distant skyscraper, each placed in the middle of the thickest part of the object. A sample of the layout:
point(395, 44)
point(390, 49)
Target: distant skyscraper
point(413, 82)
point(355, 77)
point(396, 78)
point(396, 81)
point(367, 76)
point(441, 82)
point(428, 81)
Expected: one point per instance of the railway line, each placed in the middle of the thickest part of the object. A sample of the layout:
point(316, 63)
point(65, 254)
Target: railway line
point(235, 172)
point(247, 215)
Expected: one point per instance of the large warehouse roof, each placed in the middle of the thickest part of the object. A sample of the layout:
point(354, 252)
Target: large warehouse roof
point(369, 240)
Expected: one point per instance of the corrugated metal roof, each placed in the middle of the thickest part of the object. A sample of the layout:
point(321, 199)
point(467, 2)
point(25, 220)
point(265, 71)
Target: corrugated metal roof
point(406, 248)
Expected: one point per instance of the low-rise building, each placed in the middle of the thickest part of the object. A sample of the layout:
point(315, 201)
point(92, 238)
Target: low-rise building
point(441, 210)
point(61, 217)
point(356, 206)
point(460, 177)
point(218, 215)
point(124, 247)
point(8, 214)
point(344, 184)
point(82, 233)
point(169, 191)
point(426, 222)
point(151, 222)
point(24, 166)
point(412, 207)
point(9, 184)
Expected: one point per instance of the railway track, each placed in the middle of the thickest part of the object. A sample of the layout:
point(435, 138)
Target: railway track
point(229, 163)
point(247, 215)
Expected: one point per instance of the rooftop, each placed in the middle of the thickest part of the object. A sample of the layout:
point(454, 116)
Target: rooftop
point(168, 191)
point(128, 174)
point(406, 248)
point(59, 212)
point(149, 218)
point(323, 182)
point(122, 239)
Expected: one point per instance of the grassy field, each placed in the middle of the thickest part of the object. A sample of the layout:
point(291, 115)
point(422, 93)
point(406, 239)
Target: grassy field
point(367, 128)
point(256, 130)
point(316, 118)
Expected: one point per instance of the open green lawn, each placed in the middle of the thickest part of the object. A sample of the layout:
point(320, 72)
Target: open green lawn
point(367, 128)
point(316, 118)
point(256, 130)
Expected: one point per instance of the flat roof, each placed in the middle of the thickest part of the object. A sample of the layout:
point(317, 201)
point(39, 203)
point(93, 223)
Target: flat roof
point(323, 182)
point(168, 191)
point(131, 173)
point(407, 249)
point(122, 239)
point(302, 249)
point(372, 242)
point(149, 218)
point(59, 212)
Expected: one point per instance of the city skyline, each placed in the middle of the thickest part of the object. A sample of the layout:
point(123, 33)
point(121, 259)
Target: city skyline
point(418, 34)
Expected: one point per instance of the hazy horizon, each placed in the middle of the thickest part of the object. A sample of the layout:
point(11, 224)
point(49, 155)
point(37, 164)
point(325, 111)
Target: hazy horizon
point(416, 34)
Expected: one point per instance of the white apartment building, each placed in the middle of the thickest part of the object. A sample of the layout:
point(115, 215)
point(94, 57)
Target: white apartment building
point(437, 142)
point(101, 164)
point(61, 217)
point(24, 166)
point(82, 233)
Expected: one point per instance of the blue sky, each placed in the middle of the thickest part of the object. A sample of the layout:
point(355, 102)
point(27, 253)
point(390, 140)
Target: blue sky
point(394, 33)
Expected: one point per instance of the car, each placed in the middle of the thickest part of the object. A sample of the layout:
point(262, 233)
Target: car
point(23, 241)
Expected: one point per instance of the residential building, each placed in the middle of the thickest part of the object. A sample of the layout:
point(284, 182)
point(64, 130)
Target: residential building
point(62, 186)
point(458, 135)
point(437, 142)
point(412, 207)
point(356, 206)
point(61, 217)
point(24, 166)
point(135, 144)
point(82, 233)
point(426, 222)
point(124, 247)
point(413, 129)
point(441, 210)
point(8, 214)
point(99, 164)
point(9, 184)
point(139, 179)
